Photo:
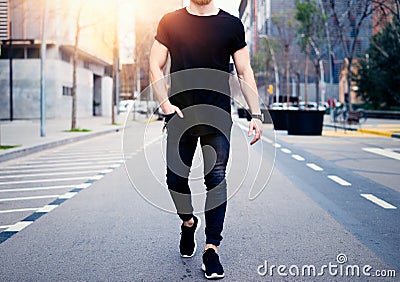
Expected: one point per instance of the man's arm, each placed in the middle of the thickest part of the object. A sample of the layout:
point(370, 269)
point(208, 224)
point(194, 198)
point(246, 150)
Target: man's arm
point(158, 59)
point(249, 90)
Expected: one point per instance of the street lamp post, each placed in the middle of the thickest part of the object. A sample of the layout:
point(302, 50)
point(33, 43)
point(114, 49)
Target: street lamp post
point(43, 73)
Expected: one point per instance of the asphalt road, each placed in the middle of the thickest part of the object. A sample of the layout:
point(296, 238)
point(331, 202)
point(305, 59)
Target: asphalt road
point(84, 215)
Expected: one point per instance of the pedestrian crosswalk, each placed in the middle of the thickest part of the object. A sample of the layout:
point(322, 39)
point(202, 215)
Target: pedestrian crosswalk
point(38, 184)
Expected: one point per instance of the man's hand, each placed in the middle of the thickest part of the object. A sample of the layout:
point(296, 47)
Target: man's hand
point(168, 109)
point(256, 127)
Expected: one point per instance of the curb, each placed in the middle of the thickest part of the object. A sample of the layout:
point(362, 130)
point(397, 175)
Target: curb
point(341, 127)
point(368, 131)
point(34, 149)
point(376, 132)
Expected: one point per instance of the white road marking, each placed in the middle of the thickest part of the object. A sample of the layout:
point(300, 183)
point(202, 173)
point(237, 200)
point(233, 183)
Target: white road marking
point(68, 195)
point(276, 145)
point(65, 164)
point(286, 151)
point(315, 167)
point(97, 177)
point(4, 226)
point(83, 185)
point(47, 208)
point(84, 153)
point(19, 226)
point(266, 139)
point(29, 198)
point(44, 180)
point(378, 201)
point(383, 152)
point(339, 180)
point(37, 188)
point(19, 210)
point(75, 168)
point(75, 160)
point(51, 157)
point(298, 158)
point(49, 174)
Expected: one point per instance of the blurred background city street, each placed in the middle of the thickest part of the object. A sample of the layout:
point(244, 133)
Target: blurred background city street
point(81, 142)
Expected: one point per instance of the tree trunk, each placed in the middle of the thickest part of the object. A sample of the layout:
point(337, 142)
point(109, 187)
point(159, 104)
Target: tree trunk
point(349, 79)
point(74, 82)
point(287, 74)
point(317, 82)
point(306, 74)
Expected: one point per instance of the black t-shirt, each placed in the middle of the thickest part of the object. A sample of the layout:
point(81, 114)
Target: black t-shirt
point(204, 43)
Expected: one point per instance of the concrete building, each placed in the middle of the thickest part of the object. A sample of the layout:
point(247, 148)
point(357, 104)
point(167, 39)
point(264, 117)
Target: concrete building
point(94, 82)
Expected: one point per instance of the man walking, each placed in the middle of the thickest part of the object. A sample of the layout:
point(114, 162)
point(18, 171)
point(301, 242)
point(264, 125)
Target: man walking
point(201, 37)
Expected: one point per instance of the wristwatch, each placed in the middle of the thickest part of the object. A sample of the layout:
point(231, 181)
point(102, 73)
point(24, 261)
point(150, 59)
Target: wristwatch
point(258, 116)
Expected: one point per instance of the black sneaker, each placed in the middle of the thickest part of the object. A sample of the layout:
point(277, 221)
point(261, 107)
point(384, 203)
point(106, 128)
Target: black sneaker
point(188, 245)
point(211, 265)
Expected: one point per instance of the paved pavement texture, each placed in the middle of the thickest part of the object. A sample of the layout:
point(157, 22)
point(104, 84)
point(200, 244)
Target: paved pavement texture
point(329, 200)
point(381, 127)
point(25, 134)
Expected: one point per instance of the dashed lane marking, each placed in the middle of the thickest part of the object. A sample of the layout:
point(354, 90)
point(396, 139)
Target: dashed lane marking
point(68, 195)
point(298, 158)
point(286, 151)
point(315, 167)
point(47, 208)
point(339, 180)
point(377, 201)
point(18, 226)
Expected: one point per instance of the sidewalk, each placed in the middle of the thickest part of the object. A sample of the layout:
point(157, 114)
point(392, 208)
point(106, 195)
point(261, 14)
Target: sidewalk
point(381, 127)
point(26, 134)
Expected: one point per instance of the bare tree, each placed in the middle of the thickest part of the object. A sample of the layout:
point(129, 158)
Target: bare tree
point(285, 24)
point(349, 17)
point(311, 31)
point(79, 27)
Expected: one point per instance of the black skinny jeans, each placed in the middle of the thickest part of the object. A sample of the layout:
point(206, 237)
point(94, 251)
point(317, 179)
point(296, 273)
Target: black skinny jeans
point(180, 152)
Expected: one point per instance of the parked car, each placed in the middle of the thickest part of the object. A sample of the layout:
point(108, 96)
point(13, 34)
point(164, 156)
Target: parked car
point(125, 106)
point(312, 106)
point(283, 106)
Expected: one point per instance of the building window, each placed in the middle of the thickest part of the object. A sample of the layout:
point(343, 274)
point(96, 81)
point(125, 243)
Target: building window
point(20, 52)
point(67, 91)
point(86, 65)
point(33, 53)
point(65, 57)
